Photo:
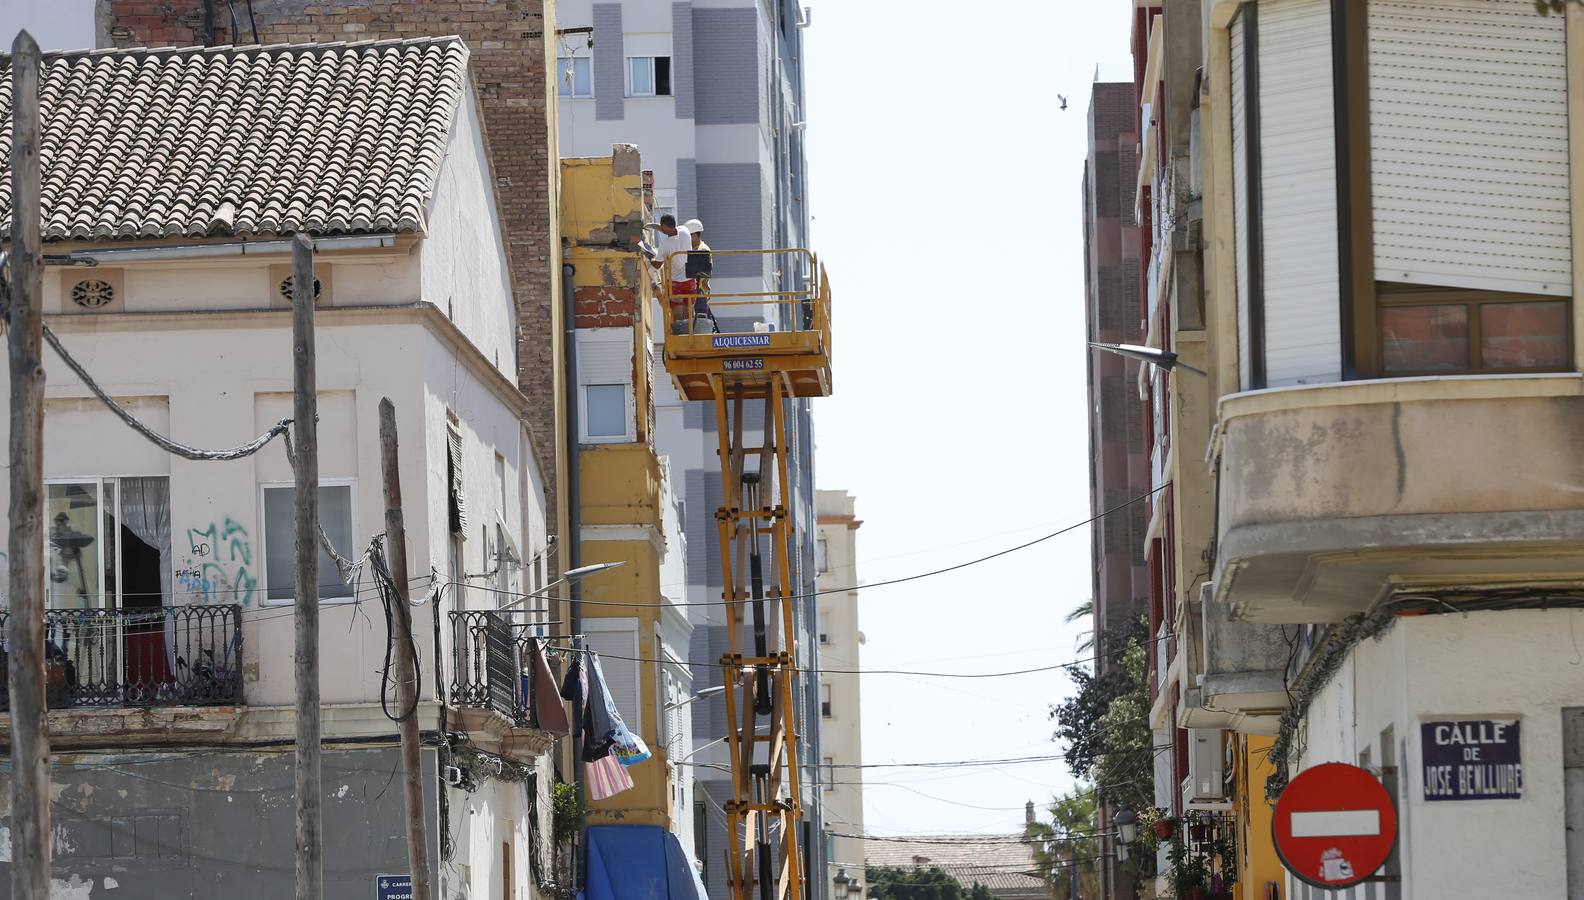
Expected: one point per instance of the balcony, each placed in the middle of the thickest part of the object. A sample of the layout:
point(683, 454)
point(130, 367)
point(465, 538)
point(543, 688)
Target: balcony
point(160, 656)
point(491, 664)
point(1243, 688)
point(1334, 496)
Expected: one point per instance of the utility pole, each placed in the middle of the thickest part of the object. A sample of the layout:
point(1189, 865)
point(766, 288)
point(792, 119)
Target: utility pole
point(406, 663)
point(305, 424)
point(30, 814)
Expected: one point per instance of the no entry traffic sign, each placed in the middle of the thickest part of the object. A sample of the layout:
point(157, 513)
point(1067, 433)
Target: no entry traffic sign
point(1334, 825)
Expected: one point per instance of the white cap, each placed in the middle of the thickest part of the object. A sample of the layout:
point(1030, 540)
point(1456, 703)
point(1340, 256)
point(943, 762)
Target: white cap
point(694, 226)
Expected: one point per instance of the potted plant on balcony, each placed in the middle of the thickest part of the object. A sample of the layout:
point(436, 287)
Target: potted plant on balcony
point(1190, 872)
point(1162, 825)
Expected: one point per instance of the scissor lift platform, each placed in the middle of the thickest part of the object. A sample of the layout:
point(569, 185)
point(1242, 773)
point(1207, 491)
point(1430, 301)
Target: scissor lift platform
point(746, 362)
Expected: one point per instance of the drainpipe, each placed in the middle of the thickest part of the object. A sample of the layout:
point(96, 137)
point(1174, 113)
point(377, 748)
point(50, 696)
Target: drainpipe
point(573, 543)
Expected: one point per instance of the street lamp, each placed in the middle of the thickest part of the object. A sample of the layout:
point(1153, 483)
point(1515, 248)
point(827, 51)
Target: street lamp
point(574, 575)
point(1165, 360)
point(707, 692)
point(1126, 823)
point(842, 882)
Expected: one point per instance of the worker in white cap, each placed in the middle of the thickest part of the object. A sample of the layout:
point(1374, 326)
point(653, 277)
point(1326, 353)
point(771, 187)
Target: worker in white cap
point(700, 264)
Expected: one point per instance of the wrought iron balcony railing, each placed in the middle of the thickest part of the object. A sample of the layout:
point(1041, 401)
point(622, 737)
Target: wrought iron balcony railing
point(160, 656)
point(491, 665)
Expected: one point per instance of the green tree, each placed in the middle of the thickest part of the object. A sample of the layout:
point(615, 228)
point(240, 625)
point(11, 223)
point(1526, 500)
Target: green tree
point(1104, 725)
point(1061, 851)
point(1080, 613)
point(895, 883)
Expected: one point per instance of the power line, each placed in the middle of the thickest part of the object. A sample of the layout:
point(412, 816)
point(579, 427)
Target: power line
point(160, 440)
point(966, 841)
point(1050, 668)
point(953, 763)
point(843, 590)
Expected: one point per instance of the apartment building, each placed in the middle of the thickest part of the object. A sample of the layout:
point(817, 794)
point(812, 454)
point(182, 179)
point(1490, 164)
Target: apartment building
point(627, 510)
point(170, 582)
point(840, 643)
point(1380, 562)
point(712, 95)
point(1114, 313)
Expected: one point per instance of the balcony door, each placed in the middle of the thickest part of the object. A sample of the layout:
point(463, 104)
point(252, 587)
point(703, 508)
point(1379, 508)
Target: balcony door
point(107, 586)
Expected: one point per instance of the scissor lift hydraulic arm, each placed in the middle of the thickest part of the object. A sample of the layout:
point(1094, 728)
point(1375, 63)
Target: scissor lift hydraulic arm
point(732, 370)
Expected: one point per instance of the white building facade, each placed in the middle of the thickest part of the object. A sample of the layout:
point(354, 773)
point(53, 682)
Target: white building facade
point(840, 640)
point(170, 582)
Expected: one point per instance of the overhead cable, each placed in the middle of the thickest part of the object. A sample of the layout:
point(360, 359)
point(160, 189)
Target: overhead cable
point(160, 440)
point(588, 601)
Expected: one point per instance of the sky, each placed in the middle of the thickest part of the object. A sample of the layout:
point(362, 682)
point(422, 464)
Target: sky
point(944, 187)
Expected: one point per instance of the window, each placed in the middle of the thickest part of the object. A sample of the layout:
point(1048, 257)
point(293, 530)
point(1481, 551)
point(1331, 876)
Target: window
point(280, 517)
point(1434, 330)
point(500, 485)
point(108, 545)
point(824, 627)
point(822, 556)
point(829, 770)
point(605, 382)
point(606, 410)
point(649, 76)
point(665, 203)
point(825, 701)
point(576, 78)
point(1463, 272)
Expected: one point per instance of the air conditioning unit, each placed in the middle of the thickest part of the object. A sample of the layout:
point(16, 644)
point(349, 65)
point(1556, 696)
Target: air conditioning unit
point(1206, 784)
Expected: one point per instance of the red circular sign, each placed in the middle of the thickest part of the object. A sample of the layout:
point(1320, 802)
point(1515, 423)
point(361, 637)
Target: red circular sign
point(1334, 825)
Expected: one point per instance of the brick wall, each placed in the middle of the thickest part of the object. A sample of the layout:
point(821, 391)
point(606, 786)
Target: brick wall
point(508, 70)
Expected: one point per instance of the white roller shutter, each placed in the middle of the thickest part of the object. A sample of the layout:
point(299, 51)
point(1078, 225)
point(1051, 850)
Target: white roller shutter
point(1240, 197)
point(605, 357)
point(616, 642)
point(1298, 198)
point(1469, 144)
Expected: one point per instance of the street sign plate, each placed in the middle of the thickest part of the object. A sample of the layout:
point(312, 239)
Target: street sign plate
point(1334, 825)
point(392, 887)
point(1472, 759)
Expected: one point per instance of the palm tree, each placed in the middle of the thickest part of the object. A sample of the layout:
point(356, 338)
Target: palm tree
point(1083, 611)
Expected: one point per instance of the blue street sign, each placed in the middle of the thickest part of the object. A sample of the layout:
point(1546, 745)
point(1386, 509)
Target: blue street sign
point(393, 887)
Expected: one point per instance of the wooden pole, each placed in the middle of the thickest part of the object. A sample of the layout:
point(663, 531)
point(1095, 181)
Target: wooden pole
point(305, 425)
point(406, 664)
point(30, 750)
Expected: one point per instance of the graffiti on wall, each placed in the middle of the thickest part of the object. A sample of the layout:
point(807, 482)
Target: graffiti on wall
point(218, 567)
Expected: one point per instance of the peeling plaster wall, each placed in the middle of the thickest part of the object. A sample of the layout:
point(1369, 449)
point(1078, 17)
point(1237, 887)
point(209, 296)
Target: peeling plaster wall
point(214, 824)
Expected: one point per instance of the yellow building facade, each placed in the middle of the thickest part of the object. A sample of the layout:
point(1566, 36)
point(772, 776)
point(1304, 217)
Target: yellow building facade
point(626, 512)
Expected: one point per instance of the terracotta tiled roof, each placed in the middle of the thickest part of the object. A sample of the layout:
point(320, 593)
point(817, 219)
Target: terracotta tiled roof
point(1007, 869)
point(196, 142)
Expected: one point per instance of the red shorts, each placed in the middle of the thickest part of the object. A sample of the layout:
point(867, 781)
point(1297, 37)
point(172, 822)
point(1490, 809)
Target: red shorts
point(684, 288)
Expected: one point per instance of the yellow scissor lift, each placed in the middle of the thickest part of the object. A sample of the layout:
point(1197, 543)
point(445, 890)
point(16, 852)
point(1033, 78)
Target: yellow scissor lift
point(731, 369)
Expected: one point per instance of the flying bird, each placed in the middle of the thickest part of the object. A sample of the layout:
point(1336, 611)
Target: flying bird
point(1063, 100)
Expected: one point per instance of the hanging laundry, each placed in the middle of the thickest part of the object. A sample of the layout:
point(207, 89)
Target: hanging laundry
point(606, 777)
point(539, 687)
point(604, 732)
point(629, 748)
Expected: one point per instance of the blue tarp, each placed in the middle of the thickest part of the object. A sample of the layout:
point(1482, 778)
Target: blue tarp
point(639, 862)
